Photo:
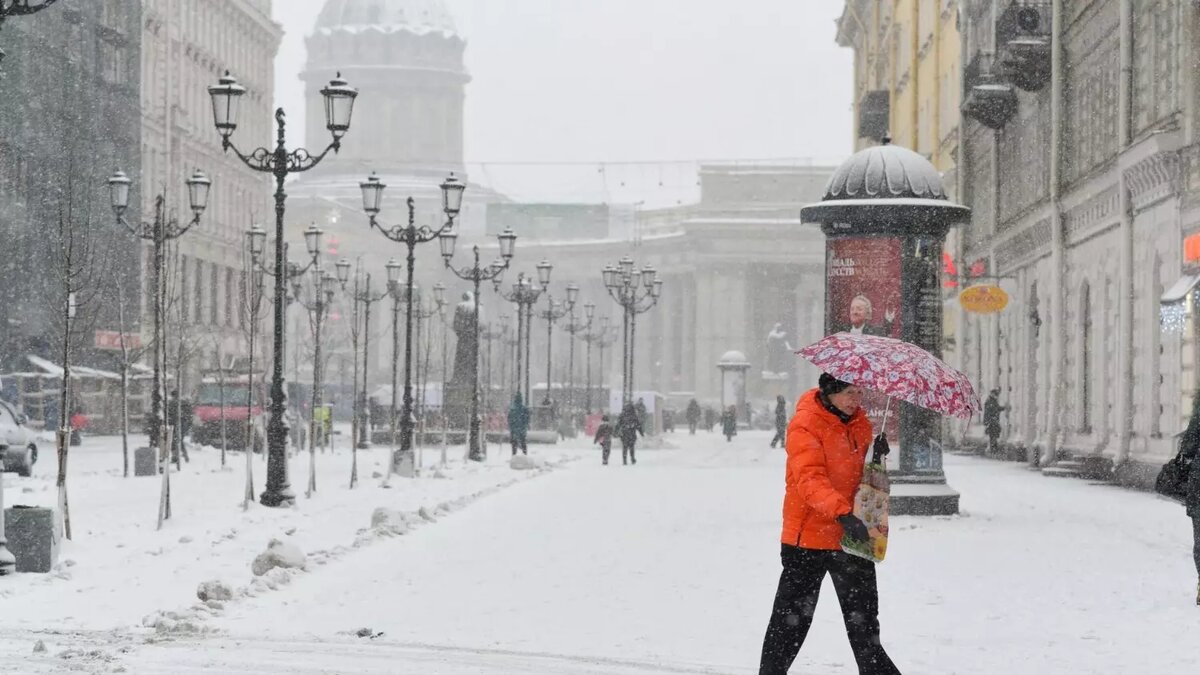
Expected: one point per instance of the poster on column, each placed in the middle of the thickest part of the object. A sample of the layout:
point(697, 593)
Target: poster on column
point(863, 297)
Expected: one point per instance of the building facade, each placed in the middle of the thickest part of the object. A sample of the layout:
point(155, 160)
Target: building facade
point(1081, 164)
point(187, 46)
point(69, 110)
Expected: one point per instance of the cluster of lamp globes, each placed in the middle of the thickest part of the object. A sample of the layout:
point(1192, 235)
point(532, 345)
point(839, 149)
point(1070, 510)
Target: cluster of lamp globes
point(623, 278)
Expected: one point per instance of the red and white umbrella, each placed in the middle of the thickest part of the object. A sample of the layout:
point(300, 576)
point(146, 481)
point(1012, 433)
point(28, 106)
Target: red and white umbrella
point(896, 369)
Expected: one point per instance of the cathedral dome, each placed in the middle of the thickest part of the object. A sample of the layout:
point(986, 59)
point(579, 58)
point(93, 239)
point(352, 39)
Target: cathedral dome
point(418, 16)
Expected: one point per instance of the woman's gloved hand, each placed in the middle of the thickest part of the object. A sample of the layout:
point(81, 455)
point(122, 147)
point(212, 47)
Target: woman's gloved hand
point(854, 528)
point(881, 446)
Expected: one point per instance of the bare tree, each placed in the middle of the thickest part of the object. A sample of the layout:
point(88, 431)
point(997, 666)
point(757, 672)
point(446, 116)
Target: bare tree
point(129, 356)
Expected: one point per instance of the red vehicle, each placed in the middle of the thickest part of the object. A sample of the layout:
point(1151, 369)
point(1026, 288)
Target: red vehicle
point(228, 399)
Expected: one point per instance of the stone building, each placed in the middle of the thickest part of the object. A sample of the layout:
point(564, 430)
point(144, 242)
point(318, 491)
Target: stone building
point(1081, 163)
point(69, 112)
point(187, 46)
point(734, 265)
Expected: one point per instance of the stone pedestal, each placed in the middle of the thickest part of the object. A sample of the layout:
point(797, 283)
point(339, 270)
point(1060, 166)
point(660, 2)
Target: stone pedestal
point(145, 462)
point(457, 405)
point(33, 538)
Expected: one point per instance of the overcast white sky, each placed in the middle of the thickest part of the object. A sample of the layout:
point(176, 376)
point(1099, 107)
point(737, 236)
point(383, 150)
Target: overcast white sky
point(712, 79)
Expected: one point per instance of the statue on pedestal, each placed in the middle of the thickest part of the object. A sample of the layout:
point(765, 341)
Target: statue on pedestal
point(466, 351)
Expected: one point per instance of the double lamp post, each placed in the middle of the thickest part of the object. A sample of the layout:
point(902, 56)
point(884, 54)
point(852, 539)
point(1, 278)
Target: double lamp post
point(636, 291)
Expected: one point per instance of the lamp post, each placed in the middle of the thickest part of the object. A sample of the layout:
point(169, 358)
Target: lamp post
point(594, 337)
point(20, 8)
point(339, 105)
point(322, 291)
point(364, 297)
point(573, 326)
point(410, 235)
point(476, 275)
point(524, 295)
point(163, 228)
point(553, 312)
point(625, 285)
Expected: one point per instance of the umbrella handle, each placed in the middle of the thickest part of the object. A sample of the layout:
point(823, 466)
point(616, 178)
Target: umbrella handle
point(887, 409)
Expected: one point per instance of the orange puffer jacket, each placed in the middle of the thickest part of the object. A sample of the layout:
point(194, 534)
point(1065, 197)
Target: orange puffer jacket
point(824, 467)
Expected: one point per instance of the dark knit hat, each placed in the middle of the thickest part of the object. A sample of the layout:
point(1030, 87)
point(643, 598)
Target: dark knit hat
point(830, 385)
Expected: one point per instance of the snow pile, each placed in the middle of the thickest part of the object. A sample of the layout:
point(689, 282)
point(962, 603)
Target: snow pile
point(278, 554)
point(526, 463)
point(215, 591)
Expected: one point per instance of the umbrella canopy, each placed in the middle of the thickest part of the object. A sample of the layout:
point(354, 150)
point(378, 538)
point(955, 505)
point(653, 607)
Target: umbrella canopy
point(895, 368)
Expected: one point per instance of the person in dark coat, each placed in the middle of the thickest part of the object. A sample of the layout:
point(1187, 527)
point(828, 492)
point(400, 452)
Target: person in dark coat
point(710, 418)
point(640, 407)
point(991, 420)
point(1189, 447)
point(781, 421)
point(604, 436)
point(693, 416)
point(518, 425)
point(629, 427)
point(729, 423)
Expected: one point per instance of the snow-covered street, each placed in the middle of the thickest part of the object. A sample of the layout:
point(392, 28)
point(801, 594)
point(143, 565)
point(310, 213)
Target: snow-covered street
point(592, 569)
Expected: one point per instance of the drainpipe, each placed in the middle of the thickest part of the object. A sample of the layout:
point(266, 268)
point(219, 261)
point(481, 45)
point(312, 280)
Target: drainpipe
point(960, 185)
point(1057, 263)
point(1125, 282)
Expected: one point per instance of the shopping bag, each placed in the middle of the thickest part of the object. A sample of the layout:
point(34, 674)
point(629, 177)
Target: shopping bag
point(871, 507)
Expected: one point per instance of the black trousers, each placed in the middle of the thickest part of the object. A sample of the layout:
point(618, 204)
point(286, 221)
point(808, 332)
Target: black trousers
point(779, 436)
point(519, 443)
point(1196, 546)
point(796, 602)
point(627, 448)
point(606, 448)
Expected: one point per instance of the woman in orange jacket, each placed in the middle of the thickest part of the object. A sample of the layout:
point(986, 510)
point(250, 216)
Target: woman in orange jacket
point(827, 442)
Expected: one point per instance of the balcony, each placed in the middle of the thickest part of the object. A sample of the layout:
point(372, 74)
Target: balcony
point(987, 99)
point(1023, 43)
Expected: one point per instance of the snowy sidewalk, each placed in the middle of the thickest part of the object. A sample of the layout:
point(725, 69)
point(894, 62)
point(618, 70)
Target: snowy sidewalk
point(671, 565)
point(119, 569)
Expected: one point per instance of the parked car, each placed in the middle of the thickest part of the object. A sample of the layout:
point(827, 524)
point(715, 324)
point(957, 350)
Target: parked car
point(19, 441)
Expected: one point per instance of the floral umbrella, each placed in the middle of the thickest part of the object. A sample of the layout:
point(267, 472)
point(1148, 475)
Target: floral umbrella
point(897, 369)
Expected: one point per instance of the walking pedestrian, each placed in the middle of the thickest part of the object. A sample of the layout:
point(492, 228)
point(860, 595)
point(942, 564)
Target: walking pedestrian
point(729, 423)
point(827, 443)
point(518, 425)
point(781, 421)
point(604, 434)
point(628, 428)
point(693, 416)
point(640, 407)
point(710, 418)
point(1189, 447)
point(991, 421)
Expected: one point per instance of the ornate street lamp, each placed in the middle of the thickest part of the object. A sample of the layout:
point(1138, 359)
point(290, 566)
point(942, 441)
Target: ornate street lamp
point(574, 327)
point(524, 295)
point(280, 162)
point(320, 301)
point(476, 275)
point(636, 291)
point(163, 228)
point(410, 235)
point(553, 312)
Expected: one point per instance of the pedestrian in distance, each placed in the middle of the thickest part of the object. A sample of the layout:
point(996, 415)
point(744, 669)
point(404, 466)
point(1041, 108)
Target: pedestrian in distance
point(640, 407)
point(729, 423)
point(781, 421)
point(604, 436)
point(629, 427)
point(1189, 449)
point(693, 416)
point(991, 420)
point(518, 425)
point(827, 444)
point(710, 418)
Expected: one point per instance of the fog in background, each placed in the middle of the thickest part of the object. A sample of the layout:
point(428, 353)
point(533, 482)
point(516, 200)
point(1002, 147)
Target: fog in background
point(629, 81)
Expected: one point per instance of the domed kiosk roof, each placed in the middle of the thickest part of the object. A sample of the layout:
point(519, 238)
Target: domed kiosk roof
point(885, 188)
point(885, 171)
point(420, 16)
point(733, 359)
